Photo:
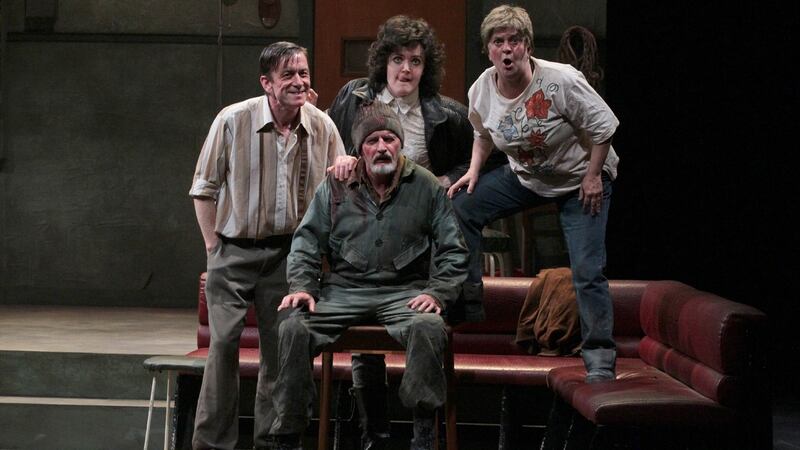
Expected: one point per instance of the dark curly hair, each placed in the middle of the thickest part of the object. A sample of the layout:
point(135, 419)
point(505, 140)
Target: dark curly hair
point(403, 31)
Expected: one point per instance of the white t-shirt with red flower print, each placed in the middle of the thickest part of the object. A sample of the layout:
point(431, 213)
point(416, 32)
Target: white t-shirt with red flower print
point(547, 131)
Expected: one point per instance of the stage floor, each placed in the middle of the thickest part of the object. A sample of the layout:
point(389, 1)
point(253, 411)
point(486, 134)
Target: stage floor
point(102, 330)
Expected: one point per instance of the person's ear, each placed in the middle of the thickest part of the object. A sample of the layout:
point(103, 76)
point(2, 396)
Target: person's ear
point(266, 83)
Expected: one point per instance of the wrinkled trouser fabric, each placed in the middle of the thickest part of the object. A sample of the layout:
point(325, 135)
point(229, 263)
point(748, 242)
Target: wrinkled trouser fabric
point(303, 335)
point(369, 382)
point(236, 277)
point(499, 194)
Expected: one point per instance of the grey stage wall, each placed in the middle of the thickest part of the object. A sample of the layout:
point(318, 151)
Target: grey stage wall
point(104, 118)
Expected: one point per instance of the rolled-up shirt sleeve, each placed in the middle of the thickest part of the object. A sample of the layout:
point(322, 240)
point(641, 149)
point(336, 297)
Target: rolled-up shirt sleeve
point(588, 112)
point(209, 174)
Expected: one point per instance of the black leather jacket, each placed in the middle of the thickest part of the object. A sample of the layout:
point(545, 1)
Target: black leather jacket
point(448, 133)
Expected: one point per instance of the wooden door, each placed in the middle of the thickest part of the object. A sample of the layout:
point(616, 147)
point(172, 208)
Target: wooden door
point(343, 30)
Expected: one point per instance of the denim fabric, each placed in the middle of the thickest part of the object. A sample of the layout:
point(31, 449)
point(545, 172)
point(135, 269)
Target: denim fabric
point(499, 194)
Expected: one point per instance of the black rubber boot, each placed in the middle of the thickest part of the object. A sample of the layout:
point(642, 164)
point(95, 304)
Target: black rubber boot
point(285, 442)
point(371, 402)
point(424, 433)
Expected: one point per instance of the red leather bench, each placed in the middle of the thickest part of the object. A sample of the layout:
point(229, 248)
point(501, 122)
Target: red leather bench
point(700, 378)
point(485, 352)
point(682, 354)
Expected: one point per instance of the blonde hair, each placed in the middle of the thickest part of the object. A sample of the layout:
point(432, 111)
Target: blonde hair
point(507, 16)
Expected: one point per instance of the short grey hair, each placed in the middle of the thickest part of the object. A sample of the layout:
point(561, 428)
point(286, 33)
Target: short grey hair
point(507, 16)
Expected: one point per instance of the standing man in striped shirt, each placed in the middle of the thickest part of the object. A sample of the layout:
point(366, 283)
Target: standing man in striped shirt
point(257, 171)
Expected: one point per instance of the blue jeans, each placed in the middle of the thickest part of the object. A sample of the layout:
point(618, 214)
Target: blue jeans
point(499, 194)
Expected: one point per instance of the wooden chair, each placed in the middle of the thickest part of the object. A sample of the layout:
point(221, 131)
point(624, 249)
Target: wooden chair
point(375, 339)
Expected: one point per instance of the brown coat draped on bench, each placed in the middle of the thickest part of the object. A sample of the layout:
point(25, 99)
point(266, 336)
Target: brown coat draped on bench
point(548, 321)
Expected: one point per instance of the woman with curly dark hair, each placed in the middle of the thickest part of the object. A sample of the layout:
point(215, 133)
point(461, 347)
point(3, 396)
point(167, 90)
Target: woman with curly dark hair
point(406, 68)
point(403, 31)
point(405, 71)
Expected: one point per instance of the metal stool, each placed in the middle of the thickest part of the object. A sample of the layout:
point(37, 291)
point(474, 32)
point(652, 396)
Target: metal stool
point(169, 364)
point(496, 246)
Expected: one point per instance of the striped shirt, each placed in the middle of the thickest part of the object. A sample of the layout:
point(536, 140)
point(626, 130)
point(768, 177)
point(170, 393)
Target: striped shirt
point(261, 181)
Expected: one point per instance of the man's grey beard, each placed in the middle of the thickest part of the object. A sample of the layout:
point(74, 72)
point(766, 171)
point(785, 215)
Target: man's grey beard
point(383, 169)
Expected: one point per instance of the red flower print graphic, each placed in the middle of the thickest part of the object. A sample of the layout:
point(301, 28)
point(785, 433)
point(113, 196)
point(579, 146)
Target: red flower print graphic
point(525, 156)
point(537, 139)
point(537, 105)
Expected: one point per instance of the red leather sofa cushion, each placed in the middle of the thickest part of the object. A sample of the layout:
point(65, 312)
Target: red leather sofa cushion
point(513, 370)
point(249, 337)
point(642, 395)
point(248, 360)
point(698, 359)
point(703, 326)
